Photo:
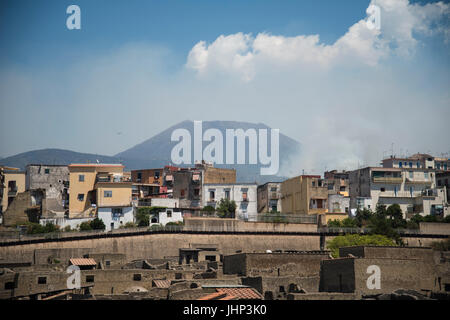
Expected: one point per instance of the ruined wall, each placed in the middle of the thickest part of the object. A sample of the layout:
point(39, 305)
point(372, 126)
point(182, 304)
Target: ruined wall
point(160, 245)
point(434, 228)
point(219, 224)
point(402, 273)
point(337, 275)
point(17, 210)
point(274, 264)
point(388, 252)
point(219, 175)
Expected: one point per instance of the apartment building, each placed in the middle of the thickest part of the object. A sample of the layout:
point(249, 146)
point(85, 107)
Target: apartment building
point(443, 180)
point(102, 189)
point(269, 197)
point(414, 189)
point(243, 194)
point(50, 186)
point(417, 161)
point(12, 182)
point(305, 194)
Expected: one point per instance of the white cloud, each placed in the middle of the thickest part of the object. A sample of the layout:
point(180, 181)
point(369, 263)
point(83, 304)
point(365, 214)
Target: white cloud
point(247, 55)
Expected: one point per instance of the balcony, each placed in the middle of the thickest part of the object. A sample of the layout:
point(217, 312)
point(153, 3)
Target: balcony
point(413, 181)
point(387, 180)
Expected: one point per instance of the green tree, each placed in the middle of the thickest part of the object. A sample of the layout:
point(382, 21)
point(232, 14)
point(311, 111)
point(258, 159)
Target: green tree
point(208, 209)
point(226, 208)
point(362, 217)
point(97, 224)
point(143, 215)
point(395, 214)
point(85, 226)
point(334, 223)
point(357, 240)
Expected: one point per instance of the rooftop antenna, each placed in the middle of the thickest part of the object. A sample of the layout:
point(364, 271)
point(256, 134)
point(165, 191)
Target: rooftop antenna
point(392, 149)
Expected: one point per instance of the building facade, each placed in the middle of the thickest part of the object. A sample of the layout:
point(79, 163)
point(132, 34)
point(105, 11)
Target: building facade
point(12, 182)
point(53, 182)
point(269, 197)
point(95, 186)
point(243, 194)
point(305, 194)
point(414, 189)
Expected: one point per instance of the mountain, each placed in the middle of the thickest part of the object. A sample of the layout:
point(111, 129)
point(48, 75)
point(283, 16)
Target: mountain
point(156, 152)
point(54, 156)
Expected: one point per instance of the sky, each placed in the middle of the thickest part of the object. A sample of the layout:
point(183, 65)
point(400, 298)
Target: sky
point(313, 69)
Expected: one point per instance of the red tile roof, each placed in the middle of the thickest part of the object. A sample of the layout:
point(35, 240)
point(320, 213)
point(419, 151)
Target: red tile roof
point(83, 262)
point(161, 283)
point(232, 294)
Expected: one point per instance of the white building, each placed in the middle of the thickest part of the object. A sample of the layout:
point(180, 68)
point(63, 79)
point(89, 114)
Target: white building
point(114, 217)
point(244, 194)
point(414, 189)
point(166, 216)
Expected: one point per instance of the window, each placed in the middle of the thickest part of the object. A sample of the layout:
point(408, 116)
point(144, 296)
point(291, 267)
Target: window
point(274, 189)
point(156, 174)
point(137, 277)
point(182, 192)
point(196, 192)
point(107, 193)
point(400, 164)
point(244, 196)
point(90, 278)
point(425, 175)
point(107, 263)
point(116, 213)
point(210, 258)
point(411, 175)
point(410, 164)
point(9, 285)
point(313, 183)
point(438, 166)
point(42, 280)
point(211, 195)
point(81, 177)
point(169, 213)
point(139, 177)
point(80, 197)
point(227, 194)
point(382, 189)
point(47, 171)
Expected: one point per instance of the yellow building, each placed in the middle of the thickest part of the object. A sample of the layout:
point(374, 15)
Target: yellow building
point(95, 186)
point(305, 194)
point(12, 182)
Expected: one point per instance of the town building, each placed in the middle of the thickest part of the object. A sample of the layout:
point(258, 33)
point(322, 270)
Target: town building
point(165, 216)
point(269, 197)
point(337, 182)
point(12, 182)
point(102, 189)
point(305, 194)
point(442, 180)
point(50, 186)
point(243, 194)
point(417, 161)
point(413, 189)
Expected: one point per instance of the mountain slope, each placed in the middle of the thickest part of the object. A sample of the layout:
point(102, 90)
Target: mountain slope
point(54, 156)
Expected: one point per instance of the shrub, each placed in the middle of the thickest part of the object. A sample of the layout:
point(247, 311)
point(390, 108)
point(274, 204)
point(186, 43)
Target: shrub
point(357, 240)
point(97, 224)
point(441, 245)
point(128, 225)
point(226, 208)
point(85, 226)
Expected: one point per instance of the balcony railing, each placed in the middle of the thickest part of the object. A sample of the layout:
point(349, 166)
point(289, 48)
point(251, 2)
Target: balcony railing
point(388, 180)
